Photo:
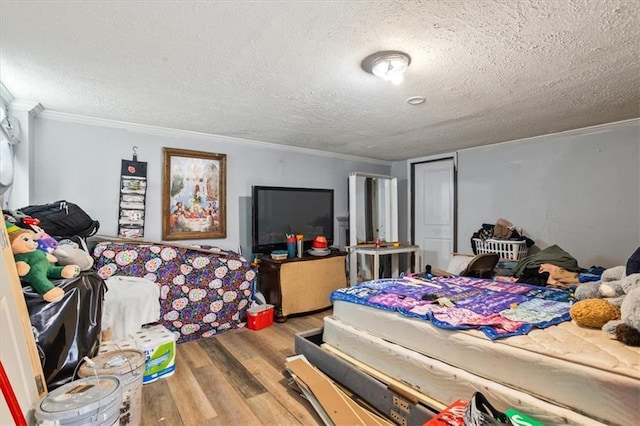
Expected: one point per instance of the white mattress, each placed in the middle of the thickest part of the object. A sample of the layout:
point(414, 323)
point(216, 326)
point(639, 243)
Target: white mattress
point(565, 365)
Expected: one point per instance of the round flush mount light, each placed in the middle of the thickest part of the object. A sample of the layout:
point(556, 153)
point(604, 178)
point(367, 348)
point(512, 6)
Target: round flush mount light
point(416, 100)
point(389, 65)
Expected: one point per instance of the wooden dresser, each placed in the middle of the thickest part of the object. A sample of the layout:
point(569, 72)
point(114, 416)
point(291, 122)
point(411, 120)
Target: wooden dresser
point(302, 284)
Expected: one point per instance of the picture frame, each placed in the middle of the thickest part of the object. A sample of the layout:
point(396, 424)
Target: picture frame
point(194, 195)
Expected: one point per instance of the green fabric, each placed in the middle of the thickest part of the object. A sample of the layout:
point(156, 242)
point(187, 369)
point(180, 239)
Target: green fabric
point(553, 254)
point(517, 418)
point(40, 272)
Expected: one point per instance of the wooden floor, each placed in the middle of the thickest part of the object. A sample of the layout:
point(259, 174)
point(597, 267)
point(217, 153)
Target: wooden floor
point(232, 379)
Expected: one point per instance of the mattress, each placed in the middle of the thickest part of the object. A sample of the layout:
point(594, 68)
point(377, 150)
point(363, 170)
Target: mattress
point(564, 373)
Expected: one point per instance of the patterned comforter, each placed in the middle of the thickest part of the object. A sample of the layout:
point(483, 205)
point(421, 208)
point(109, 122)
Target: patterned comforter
point(201, 294)
point(498, 309)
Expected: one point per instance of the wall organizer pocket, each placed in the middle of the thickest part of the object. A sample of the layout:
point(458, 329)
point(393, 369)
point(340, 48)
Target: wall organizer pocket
point(133, 193)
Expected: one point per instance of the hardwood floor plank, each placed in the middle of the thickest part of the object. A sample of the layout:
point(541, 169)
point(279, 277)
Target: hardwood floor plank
point(158, 406)
point(195, 356)
point(230, 405)
point(262, 345)
point(232, 369)
point(275, 382)
point(271, 412)
point(242, 341)
point(267, 366)
point(192, 403)
point(234, 378)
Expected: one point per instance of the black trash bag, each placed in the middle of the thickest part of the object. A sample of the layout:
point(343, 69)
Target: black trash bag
point(68, 330)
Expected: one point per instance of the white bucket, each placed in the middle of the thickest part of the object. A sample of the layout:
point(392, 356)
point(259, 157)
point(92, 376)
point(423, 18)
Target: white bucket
point(128, 366)
point(88, 401)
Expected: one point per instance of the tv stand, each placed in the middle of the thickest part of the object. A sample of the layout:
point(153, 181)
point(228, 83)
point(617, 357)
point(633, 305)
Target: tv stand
point(301, 285)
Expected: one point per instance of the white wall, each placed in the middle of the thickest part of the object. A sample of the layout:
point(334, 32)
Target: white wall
point(79, 160)
point(579, 190)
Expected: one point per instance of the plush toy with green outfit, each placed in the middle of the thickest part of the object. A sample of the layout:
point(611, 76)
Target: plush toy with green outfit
point(35, 267)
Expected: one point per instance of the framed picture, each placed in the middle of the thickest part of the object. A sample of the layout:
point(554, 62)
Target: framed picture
point(194, 195)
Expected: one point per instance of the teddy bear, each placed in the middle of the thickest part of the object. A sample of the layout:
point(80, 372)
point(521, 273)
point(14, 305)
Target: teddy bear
point(35, 267)
point(627, 328)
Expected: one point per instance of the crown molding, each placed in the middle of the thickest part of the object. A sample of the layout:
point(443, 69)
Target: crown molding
point(25, 105)
point(5, 94)
point(165, 131)
point(598, 128)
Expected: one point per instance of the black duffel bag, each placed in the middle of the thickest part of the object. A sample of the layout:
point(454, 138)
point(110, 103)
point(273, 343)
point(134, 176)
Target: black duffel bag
point(62, 219)
point(67, 330)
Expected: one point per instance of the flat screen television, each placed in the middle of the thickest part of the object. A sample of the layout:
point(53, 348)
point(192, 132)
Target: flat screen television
point(278, 211)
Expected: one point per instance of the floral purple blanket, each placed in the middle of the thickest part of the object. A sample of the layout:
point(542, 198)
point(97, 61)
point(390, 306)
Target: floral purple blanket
point(498, 309)
point(201, 294)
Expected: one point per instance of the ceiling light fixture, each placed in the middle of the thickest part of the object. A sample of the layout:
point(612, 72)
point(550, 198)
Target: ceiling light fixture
point(389, 65)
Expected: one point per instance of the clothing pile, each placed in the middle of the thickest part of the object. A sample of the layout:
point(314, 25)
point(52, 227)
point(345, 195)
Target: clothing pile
point(554, 267)
point(549, 267)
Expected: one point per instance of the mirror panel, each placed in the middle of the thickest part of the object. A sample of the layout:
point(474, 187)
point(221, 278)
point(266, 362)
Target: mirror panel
point(373, 208)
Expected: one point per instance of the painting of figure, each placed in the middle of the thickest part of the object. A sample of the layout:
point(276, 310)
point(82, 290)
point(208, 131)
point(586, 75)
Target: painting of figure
point(194, 195)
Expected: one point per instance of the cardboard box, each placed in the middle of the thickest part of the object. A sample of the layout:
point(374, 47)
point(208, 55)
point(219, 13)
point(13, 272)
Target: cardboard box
point(259, 316)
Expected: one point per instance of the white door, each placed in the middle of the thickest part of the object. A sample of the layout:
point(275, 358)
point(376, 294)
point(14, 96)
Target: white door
point(433, 211)
point(17, 349)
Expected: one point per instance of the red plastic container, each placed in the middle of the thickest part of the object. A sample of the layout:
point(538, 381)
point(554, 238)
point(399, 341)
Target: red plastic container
point(259, 317)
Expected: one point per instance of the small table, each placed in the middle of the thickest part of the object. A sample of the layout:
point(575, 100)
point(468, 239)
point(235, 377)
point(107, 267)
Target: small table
point(376, 252)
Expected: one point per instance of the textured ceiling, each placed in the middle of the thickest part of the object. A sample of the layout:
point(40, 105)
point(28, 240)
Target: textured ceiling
point(288, 72)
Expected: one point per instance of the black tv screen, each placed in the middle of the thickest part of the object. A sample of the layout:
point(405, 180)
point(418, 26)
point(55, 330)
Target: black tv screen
point(278, 211)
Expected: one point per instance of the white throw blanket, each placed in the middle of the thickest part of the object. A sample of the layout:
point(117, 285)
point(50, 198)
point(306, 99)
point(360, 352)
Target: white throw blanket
point(129, 303)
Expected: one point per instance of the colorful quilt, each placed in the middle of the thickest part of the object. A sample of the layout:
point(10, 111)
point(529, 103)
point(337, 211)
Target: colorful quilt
point(201, 294)
point(499, 309)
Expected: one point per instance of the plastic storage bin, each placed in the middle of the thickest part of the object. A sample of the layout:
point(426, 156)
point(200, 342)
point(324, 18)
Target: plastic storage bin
point(506, 249)
point(259, 317)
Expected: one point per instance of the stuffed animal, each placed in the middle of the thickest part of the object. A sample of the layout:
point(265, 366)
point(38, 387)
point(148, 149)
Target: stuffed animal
point(593, 313)
point(621, 318)
point(609, 286)
point(46, 242)
point(69, 253)
point(627, 328)
point(35, 266)
point(598, 312)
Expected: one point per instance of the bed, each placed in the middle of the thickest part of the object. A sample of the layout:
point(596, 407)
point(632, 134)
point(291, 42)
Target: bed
point(547, 367)
point(202, 293)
